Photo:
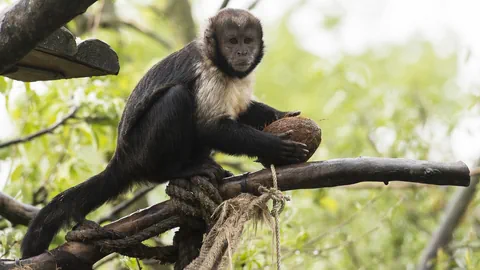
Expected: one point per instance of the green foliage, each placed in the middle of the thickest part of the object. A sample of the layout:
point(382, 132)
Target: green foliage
point(393, 101)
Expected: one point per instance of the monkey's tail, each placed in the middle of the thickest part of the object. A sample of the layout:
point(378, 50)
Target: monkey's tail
point(73, 204)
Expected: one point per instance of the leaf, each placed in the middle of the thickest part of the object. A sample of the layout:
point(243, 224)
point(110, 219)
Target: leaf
point(3, 86)
point(329, 204)
point(17, 172)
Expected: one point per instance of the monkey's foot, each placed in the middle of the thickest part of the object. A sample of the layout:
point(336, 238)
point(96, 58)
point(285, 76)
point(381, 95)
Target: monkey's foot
point(210, 169)
point(85, 224)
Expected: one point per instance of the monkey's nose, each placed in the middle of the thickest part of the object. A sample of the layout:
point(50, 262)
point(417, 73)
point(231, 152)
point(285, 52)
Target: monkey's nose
point(242, 53)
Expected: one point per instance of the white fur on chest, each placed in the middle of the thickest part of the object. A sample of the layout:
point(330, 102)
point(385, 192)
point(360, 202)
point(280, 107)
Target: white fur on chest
point(221, 96)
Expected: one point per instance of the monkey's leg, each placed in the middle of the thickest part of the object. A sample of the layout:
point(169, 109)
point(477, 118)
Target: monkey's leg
point(161, 143)
point(205, 166)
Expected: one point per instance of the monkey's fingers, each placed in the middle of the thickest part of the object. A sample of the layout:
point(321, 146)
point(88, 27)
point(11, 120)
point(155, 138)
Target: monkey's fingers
point(295, 150)
point(296, 146)
point(285, 135)
point(227, 173)
point(292, 114)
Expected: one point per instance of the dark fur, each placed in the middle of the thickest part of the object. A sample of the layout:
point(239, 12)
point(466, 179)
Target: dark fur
point(159, 137)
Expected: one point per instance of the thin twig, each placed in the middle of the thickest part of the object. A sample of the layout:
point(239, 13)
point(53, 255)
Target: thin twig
point(475, 171)
point(224, 4)
point(363, 235)
point(42, 132)
point(338, 227)
point(105, 260)
point(253, 5)
point(153, 35)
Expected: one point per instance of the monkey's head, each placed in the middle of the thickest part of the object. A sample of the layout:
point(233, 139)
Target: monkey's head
point(234, 41)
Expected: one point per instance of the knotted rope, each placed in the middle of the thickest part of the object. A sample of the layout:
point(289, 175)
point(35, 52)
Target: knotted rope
point(232, 215)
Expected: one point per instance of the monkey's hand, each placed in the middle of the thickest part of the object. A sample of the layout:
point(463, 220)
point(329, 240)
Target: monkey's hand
point(281, 115)
point(287, 151)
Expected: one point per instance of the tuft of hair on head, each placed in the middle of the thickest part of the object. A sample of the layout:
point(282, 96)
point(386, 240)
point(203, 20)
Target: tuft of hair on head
point(240, 17)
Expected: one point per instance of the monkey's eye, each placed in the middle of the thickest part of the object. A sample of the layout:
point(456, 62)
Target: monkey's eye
point(233, 41)
point(248, 40)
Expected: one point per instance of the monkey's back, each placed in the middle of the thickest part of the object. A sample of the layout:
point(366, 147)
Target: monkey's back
point(177, 68)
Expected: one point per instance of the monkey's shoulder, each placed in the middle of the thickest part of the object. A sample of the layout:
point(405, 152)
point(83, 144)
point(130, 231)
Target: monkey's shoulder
point(177, 68)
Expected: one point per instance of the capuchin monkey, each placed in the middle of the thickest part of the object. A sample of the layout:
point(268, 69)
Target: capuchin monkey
point(196, 100)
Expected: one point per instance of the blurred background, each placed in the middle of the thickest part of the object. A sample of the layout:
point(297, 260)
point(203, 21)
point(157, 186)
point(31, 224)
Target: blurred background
point(385, 78)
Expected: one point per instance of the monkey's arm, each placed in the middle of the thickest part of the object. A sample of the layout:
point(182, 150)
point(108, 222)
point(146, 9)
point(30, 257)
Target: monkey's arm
point(259, 115)
point(235, 138)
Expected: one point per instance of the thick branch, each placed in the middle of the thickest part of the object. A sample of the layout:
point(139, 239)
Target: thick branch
point(16, 212)
point(308, 175)
point(27, 22)
point(340, 172)
point(42, 132)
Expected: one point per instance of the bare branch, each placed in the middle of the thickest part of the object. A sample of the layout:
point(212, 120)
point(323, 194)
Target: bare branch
point(42, 132)
point(16, 212)
point(339, 172)
point(151, 34)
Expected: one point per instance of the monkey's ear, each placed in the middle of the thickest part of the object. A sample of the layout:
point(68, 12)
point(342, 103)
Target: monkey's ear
point(209, 41)
point(209, 32)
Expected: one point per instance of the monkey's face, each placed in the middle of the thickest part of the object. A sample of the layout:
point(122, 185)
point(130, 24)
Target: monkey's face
point(240, 44)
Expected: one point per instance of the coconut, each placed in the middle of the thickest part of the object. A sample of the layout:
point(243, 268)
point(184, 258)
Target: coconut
point(304, 130)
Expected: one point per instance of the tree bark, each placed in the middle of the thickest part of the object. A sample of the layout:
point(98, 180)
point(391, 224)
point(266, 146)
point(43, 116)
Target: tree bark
point(16, 212)
point(27, 22)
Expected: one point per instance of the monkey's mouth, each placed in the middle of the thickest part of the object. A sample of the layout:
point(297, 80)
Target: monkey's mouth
point(241, 65)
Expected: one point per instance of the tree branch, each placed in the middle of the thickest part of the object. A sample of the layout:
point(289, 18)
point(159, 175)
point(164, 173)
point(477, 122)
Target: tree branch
point(151, 34)
point(340, 172)
point(253, 4)
point(28, 22)
point(42, 132)
point(16, 212)
point(328, 173)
